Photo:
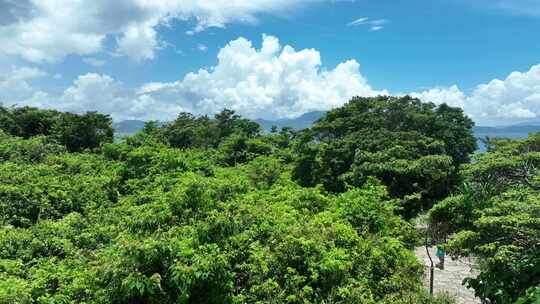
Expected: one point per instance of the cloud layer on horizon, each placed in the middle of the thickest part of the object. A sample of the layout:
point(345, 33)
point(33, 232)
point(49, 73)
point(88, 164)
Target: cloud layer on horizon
point(272, 81)
point(515, 98)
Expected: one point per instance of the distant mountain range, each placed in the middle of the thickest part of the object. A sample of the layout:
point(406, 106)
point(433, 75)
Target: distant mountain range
point(513, 131)
point(521, 130)
point(128, 127)
point(530, 122)
point(302, 122)
point(516, 131)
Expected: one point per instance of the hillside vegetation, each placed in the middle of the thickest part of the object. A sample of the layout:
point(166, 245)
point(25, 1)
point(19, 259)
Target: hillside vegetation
point(211, 210)
point(496, 215)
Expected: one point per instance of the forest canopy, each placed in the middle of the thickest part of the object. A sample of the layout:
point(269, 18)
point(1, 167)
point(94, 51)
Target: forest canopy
point(75, 132)
point(212, 210)
point(414, 148)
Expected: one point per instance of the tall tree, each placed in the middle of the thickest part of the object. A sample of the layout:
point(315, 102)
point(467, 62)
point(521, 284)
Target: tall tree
point(413, 147)
point(80, 132)
point(27, 122)
point(189, 131)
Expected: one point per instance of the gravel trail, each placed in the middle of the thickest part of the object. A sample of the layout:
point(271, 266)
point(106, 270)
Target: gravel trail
point(449, 280)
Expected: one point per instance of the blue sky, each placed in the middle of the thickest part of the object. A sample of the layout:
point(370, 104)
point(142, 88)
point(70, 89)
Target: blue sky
point(131, 59)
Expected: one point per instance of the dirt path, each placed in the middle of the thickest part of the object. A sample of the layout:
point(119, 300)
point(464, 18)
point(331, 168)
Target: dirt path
point(449, 280)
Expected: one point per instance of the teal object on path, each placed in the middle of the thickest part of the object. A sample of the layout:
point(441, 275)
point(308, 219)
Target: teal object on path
point(440, 252)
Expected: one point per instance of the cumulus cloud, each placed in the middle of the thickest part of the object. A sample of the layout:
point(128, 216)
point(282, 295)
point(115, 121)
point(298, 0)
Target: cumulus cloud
point(102, 93)
point(268, 81)
point(452, 96)
point(48, 30)
point(95, 92)
point(516, 97)
point(273, 81)
point(138, 42)
point(16, 87)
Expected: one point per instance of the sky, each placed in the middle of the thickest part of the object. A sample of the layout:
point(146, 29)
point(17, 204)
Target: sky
point(151, 59)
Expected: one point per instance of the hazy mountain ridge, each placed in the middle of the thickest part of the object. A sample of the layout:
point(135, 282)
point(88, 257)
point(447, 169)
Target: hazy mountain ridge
point(301, 122)
point(298, 123)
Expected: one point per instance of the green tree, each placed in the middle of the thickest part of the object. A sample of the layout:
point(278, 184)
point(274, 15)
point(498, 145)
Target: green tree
point(413, 147)
point(27, 121)
point(496, 218)
point(76, 132)
point(80, 132)
point(189, 131)
point(238, 149)
point(140, 221)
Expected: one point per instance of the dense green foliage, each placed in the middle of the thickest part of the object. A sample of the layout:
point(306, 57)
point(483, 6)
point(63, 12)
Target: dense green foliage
point(75, 132)
point(496, 215)
point(188, 131)
point(414, 148)
point(219, 220)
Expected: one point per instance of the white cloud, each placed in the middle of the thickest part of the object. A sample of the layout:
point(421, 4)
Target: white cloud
point(102, 93)
point(138, 42)
point(203, 48)
point(219, 13)
point(49, 30)
point(373, 25)
point(94, 62)
point(516, 97)
point(452, 96)
point(358, 21)
point(16, 87)
point(95, 92)
point(272, 81)
point(25, 73)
